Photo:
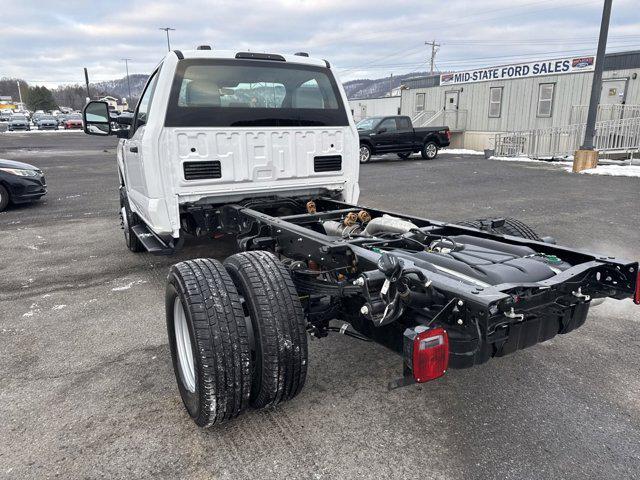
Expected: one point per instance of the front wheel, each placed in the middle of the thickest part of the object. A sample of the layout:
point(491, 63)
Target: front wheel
point(429, 151)
point(365, 153)
point(503, 226)
point(4, 198)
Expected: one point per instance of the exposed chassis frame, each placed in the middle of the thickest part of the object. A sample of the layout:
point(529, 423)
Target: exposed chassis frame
point(482, 320)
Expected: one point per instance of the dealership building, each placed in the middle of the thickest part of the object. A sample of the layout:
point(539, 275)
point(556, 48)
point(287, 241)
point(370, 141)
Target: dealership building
point(477, 104)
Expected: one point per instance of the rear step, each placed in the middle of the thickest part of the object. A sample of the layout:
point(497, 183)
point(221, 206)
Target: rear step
point(150, 242)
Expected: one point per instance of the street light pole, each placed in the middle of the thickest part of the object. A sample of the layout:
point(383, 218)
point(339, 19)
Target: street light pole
point(167, 30)
point(586, 156)
point(20, 93)
point(126, 66)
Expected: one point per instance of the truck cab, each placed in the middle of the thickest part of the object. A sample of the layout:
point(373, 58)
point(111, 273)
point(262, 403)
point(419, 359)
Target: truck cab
point(214, 127)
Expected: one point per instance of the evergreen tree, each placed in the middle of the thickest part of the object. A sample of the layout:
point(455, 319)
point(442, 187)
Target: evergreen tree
point(40, 98)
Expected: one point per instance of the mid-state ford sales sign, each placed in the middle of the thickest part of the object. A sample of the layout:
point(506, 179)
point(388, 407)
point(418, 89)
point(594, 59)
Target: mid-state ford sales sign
point(521, 70)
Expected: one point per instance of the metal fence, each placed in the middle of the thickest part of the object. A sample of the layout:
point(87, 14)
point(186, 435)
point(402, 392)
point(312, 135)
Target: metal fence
point(616, 111)
point(612, 136)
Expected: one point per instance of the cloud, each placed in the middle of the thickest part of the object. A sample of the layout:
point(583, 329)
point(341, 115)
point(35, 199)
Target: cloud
point(50, 42)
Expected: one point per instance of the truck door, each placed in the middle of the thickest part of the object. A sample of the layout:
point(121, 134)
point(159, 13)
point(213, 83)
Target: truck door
point(135, 181)
point(386, 137)
point(406, 136)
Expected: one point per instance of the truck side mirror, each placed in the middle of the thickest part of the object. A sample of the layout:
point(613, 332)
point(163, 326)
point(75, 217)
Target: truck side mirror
point(382, 130)
point(96, 119)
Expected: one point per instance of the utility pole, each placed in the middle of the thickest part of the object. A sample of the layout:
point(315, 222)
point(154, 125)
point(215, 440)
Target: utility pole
point(86, 82)
point(19, 93)
point(167, 30)
point(434, 50)
point(390, 84)
point(586, 157)
point(126, 66)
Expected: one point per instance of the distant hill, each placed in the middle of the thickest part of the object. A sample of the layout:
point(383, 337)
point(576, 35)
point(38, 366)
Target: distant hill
point(118, 88)
point(356, 89)
point(380, 87)
point(74, 95)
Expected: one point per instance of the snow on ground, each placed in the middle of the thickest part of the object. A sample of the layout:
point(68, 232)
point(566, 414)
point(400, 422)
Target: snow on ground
point(613, 170)
point(32, 131)
point(460, 151)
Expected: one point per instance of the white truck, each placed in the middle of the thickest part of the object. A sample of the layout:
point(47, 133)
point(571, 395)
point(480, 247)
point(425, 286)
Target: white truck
point(262, 147)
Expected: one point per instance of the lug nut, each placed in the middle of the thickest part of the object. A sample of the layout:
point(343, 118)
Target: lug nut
point(364, 310)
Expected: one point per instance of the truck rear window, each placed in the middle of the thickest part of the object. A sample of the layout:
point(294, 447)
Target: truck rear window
point(239, 93)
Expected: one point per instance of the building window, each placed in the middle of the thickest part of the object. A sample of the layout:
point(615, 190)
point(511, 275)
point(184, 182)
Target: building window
point(495, 102)
point(545, 99)
point(419, 102)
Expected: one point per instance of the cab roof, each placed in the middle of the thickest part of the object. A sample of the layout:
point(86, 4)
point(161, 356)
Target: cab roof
point(298, 59)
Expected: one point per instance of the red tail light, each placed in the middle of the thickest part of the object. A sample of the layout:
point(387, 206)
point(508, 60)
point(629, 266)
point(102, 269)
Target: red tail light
point(430, 354)
point(448, 134)
point(636, 297)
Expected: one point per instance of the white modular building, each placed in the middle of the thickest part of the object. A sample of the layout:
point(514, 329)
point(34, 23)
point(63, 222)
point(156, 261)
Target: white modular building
point(375, 107)
point(477, 104)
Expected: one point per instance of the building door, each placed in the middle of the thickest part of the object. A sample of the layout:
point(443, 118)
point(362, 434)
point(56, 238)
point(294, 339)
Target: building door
point(363, 111)
point(613, 91)
point(451, 100)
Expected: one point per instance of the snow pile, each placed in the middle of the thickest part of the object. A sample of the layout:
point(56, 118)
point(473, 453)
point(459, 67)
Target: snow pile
point(527, 159)
point(613, 170)
point(460, 151)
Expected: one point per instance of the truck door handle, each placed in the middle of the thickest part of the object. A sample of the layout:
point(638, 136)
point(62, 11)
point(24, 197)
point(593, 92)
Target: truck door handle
point(133, 149)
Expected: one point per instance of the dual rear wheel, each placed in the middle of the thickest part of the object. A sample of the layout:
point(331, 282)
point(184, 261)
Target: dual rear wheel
point(237, 335)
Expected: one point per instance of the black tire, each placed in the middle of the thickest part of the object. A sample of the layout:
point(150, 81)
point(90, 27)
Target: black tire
point(365, 153)
point(128, 220)
point(511, 226)
point(4, 198)
point(404, 155)
point(219, 340)
point(279, 357)
point(429, 150)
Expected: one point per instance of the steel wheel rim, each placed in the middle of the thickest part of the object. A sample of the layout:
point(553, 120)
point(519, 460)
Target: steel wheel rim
point(364, 154)
point(431, 150)
point(183, 347)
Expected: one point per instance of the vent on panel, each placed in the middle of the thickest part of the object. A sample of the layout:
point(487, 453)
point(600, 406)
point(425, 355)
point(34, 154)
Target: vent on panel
point(329, 163)
point(202, 170)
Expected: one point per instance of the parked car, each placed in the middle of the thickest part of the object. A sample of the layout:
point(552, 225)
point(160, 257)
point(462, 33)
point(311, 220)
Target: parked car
point(20, 183)
point(61, 118)
point(395, 134)
point(37, 115)
point(5, 115)
point(73, 121)
point(47, 122)
point(19, 122)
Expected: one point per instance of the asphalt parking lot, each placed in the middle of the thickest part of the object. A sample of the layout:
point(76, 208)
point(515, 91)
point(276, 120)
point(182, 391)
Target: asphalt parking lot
point(88, 391)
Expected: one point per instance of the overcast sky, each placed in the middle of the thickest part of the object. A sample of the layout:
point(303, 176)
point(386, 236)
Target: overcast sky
point(49, 41)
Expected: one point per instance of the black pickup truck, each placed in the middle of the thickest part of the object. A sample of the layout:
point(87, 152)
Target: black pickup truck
point(395, 134)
